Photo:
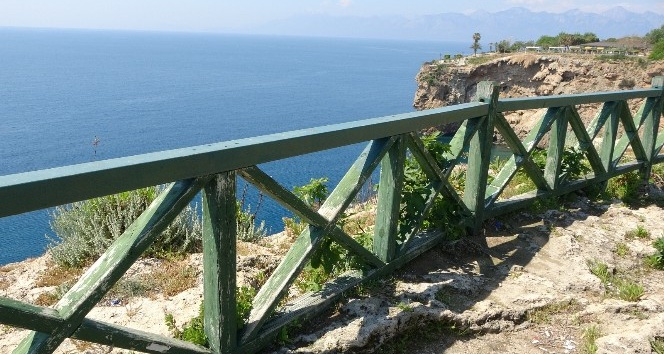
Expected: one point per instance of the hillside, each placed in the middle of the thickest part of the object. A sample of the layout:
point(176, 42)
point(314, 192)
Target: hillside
point(523, 75)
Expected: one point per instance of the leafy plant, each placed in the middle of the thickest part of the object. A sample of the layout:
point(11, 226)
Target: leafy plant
point(193, 331)
point(244, 296)
point(444, 214)
point(84, 230)
point(572, 164)
point(313, 193)
point(657, 52)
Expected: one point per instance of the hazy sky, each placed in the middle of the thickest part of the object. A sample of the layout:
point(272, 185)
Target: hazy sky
point(226, 15)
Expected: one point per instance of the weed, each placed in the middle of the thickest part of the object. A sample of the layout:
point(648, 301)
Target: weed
point(194, 330)
point(589, 336)
point(479, 60)
point(656, 260)
point(404, 306)
point(657, 345)
point(284, 336)
point(621, 250)
point(444, 295)
point(639, 232)
point(247, 230)
point(55, 275)
point(600, 270)
point(410, 338)
point(629, 291)
point(624, 187)
point(638, 314)
point(48, 298)
point(615, 286)
point(172, 278)
point(128, 288)
point(543, 314)
point(434, 75)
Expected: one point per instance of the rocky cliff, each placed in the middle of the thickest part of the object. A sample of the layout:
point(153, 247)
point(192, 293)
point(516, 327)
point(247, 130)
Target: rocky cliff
point(441, 84)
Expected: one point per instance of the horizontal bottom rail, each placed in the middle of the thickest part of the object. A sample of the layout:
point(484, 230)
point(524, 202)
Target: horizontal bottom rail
point(522, 200)
point(311, 304)
point(44, 319)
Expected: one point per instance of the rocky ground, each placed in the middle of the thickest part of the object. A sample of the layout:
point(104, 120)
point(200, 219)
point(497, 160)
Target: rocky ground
point(523, 287)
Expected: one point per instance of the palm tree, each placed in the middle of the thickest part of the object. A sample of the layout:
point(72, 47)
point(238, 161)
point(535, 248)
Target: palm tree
point(476, 43)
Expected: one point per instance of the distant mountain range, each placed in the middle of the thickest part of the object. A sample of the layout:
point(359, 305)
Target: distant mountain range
point(513, 24)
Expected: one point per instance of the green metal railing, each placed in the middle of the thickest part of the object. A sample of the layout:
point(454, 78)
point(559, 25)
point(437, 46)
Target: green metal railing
point(214, 168)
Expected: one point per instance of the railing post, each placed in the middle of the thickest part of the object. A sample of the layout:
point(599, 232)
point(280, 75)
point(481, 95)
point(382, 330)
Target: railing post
point(651, 127)
point(479, 154)
point(554, 154)
point(389, 201)
point(219, 265)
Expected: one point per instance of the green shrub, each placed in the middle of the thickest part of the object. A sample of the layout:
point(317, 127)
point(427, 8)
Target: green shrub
point(84, 230)
point(313, 194)
point(247, 230)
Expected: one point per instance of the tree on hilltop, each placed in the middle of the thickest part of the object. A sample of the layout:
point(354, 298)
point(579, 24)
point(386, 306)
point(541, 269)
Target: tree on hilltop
point(476, 43)
point(655, 35)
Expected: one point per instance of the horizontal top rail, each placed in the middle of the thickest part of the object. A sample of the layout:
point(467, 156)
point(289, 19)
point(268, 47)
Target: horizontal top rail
point(515, 104)
point(56, 186)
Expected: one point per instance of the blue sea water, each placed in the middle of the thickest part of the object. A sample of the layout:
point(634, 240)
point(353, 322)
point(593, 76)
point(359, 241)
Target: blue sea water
point(139, 92)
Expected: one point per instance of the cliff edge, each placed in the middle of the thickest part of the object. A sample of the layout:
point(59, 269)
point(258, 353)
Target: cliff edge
point(446, 83)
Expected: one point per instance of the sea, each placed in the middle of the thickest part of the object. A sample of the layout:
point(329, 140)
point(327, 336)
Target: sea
point(75, 96)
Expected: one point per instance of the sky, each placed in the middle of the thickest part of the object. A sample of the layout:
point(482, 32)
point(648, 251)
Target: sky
point(241, 16)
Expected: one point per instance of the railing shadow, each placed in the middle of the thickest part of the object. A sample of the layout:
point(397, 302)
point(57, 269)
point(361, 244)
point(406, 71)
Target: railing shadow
point(450, 279)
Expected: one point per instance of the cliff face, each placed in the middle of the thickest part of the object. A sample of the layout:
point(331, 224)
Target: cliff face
point(523, 75)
